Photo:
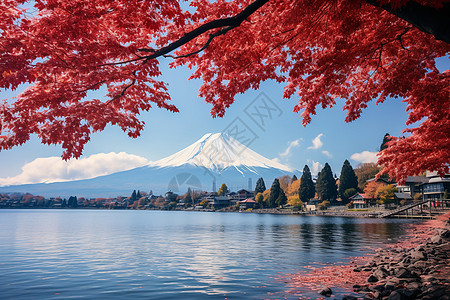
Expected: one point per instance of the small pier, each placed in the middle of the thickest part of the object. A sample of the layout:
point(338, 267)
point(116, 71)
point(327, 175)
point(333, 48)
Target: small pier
point(418, 210)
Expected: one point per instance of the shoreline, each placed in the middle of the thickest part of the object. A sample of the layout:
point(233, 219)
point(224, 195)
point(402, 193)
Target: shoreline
point(274, 211)
point(416, 267)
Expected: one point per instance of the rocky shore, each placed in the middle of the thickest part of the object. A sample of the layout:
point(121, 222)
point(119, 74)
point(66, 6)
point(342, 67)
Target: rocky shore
point(417, 268)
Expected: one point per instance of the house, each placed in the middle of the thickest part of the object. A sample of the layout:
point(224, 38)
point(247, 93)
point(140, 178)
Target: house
point(242, 195)
point(360, 200)
point(170, 196)
point(436, 189)
point(403, 196)
point(247, 203)
point(221, 202)
point(413, 185)
point(312, 205)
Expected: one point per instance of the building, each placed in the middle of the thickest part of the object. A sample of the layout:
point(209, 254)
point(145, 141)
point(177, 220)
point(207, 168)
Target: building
point(413, 185)
point(247, 203)
point(436, 189)
point(221, 202)
point(360, 200)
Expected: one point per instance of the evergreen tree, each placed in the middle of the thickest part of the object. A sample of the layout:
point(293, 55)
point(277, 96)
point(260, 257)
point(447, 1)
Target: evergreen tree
point(133, 196)
point(223, 190)
point(306, 190)
point(282, 199)
point(72, 202)
point(348, 180)
point(138, 195)
point(326, 184)
point(387, 138)
point(260, 186)
point(294, 178)
point(274, 193)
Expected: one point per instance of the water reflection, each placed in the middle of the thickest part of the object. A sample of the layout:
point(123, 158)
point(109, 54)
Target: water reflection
point(152, 254)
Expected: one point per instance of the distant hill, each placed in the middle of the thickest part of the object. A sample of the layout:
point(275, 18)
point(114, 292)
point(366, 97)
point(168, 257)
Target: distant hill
point(205, 165)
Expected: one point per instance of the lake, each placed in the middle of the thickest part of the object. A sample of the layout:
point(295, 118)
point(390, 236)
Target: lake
point(111, 254)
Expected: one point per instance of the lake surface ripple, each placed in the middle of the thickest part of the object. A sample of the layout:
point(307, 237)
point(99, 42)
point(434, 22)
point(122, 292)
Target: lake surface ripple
point(99, 254)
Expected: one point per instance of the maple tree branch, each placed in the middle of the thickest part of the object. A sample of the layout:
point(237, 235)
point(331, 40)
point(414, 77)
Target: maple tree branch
point(124, 90)
point(435, 21)
point(230, 22)
point(211, 37)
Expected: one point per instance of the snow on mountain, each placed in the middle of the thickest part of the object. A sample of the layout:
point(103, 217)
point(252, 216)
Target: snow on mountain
point(205, 165)
point(217, 152)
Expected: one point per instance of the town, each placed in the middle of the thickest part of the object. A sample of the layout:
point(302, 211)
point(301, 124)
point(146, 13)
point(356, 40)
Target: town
point(419, 196)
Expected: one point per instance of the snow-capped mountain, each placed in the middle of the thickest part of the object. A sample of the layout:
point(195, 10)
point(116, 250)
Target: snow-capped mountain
point(217, 152)
point(206, 164)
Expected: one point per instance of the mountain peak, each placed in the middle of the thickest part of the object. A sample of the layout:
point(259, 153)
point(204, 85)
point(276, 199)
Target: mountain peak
point(218, 151)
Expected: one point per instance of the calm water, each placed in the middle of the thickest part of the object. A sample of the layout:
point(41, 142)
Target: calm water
point(93, 254)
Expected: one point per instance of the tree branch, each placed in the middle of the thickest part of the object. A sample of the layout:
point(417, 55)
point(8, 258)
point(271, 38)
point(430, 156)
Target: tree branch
point(435, 21)
point(231, 22)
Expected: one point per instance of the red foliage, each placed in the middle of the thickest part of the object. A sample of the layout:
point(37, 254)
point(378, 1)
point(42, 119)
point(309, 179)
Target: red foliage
point(325, 51)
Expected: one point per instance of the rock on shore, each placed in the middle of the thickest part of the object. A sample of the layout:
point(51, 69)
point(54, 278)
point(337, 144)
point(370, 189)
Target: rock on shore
point(403, 273)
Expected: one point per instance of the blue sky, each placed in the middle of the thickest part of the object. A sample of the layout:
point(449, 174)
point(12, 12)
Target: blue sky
point(282, 138)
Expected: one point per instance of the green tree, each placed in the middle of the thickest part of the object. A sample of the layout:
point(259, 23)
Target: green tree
point(223, 190)
point(138, 195)
point(387, 137)
point(294, 178)
point(260, 186)
point(274, 193)
point(348, 180)
point(188, 198)
point(326, 184)
point(133, 196)
point(307, 189)
point(350, 192)
point(282, 199)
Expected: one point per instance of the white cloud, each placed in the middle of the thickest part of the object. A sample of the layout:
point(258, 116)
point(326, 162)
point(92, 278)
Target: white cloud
point(52, 169)
point(292, 145)
point(317, 143)
point(316, 167)
point(327, 154)
point(365, 157)
point(276, 159)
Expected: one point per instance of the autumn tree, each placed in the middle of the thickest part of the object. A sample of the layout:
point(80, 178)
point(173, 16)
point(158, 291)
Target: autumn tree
point(285, 181)
point(351, 52)
point(293, 188)
point(365, 172)
point(386, 193)
point(326, 184)
point(223, 190)
point(259, 198)
point(307, 189)
point(260, 186)
point(295, 201)
point(266, 198)
point(371, 188)
point(347, 180)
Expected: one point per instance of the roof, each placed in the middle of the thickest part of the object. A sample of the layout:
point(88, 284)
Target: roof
point(247, 201)
point(406, 196)
point(416, 179)
point(360, 195)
